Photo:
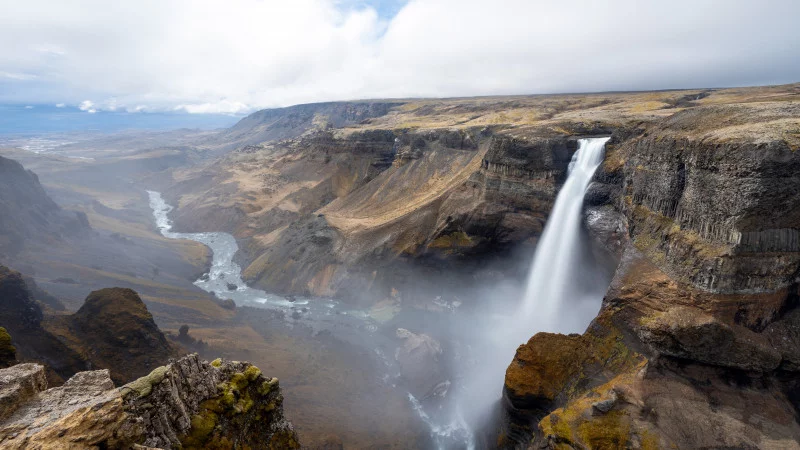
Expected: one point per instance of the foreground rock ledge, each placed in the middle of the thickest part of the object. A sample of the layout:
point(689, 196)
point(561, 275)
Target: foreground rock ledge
point(189, 403)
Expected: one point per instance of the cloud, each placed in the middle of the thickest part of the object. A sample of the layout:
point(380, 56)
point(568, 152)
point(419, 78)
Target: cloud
point(206, 56)
point(17, 76)
point(88, 106)
point(220, 107)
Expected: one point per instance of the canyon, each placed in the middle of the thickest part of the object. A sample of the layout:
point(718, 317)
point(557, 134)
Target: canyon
point(423, 216)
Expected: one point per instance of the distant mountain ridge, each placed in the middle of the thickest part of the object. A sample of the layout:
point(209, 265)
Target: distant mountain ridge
point(290, 122)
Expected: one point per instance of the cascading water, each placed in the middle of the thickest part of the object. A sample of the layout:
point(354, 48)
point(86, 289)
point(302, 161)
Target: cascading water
point(563, 294)
point(558, 253)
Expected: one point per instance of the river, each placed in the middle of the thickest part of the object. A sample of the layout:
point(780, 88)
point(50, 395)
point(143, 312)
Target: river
point(224, 280)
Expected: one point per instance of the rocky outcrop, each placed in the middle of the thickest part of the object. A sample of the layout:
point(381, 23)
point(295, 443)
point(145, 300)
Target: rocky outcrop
point(665, 365)
point(187, 404)
point(28, 214)
point(22, 317)
point(418, 357)
point(18, 384)
point(115, 330)
point(112, 330)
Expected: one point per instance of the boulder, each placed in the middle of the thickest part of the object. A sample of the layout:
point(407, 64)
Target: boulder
point(418, 357)
point(18, 384)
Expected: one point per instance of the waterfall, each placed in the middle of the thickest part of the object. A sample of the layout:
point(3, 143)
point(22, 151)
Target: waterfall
point(564, 291)
point(556, 265)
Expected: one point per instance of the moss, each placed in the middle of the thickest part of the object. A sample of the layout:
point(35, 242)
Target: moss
point(204, 434)
point(649, 441)
point(609, 431)
point(227, 397)
point(239, 381)
point(7, 351)
point(267, 386)
point(245, 404)
point(144, 386)
point(252, 372)
point(217, 362)
point(202, 426)
point(454, 239)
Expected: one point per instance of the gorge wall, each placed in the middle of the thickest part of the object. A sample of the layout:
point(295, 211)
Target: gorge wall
point(696, 342)
point(354, 215)
point(697, 198)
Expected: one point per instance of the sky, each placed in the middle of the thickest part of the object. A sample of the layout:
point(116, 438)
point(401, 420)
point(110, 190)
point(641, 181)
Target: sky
point(236, 56)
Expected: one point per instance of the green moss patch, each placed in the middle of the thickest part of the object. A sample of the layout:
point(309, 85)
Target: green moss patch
point(144, 386)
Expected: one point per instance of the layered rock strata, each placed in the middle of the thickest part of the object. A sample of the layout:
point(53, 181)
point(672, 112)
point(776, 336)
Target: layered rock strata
point(696, 344)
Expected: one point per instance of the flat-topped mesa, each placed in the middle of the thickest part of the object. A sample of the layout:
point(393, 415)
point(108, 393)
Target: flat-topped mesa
point(187, 404)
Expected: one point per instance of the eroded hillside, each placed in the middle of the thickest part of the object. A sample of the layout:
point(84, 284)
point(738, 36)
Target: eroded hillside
point(351, 209)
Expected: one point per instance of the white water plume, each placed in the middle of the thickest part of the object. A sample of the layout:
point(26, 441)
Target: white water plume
point(558, 255)
point(563, 294)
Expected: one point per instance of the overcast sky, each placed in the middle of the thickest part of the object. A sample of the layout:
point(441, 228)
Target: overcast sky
point(239, 55)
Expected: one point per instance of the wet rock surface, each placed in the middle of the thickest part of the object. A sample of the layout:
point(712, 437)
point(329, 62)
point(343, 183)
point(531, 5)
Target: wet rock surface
point(419, 356)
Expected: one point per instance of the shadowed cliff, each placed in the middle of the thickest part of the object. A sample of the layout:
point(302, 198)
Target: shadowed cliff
point(28, 213)
point(112, 330)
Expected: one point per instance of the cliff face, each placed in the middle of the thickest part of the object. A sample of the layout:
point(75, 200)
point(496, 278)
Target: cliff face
point(22, 317)
point(27, 213)
point(364, 200)
point(112, 330)
point(350, 214)
point(664, 365)
point(186, 404)
point(713, 192)
point(696, 344)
